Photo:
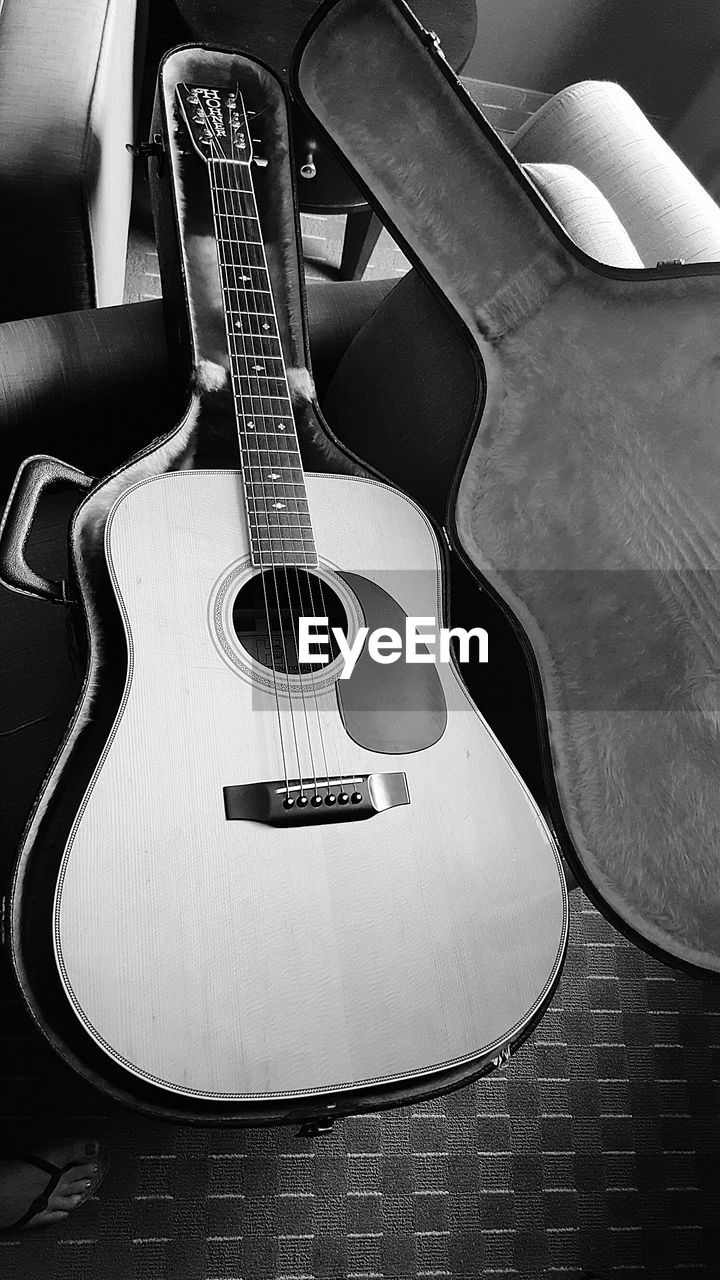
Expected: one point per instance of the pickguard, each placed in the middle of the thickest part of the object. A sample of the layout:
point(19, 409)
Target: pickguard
point(394, 708)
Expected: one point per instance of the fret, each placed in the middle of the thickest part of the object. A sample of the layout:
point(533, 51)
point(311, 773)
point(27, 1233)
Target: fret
point(253, 468)
point(251, 415)
point(279, 527)
point(285, 517)
point(251, 256)
point(280, 518)
point(303, 559)
point(238, 217)
point(280, 537)
point(247, 355)
point(260, 374)
point(251, 266)
point(282, 416)
point(250, 343)
point(275, 435)
point(282, 419)
point(277, 519)
point(257, 326)
point(259, 413)
point(238, 341)
point(279, 531)
point(289, 503)
point(284, 483)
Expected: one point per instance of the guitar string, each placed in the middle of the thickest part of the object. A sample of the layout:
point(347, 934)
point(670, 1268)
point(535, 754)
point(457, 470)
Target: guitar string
point(309, 577)
point(299, 580)
point(209, 127)
point(228, 189)
point(313, 612)
point(267, 397)
point(276, 496)
point(264, 556)
point(231, 187)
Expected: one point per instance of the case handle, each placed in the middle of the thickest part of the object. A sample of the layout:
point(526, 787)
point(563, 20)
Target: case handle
point(34, 477)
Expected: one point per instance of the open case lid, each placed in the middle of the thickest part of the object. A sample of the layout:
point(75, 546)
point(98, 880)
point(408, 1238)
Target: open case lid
point(588, 497)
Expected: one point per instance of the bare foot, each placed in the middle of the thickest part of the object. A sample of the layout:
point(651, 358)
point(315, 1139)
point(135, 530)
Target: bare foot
point(21, 1183)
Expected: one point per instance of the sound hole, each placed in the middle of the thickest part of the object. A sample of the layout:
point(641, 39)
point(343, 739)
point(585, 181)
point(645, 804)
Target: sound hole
point(266, 617)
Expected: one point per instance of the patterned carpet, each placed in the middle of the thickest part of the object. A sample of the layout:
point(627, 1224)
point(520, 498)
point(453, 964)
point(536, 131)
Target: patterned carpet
point(595, 1148)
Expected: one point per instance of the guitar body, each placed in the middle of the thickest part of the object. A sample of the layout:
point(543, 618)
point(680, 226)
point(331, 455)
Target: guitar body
point(236, 959)
point(251, 890)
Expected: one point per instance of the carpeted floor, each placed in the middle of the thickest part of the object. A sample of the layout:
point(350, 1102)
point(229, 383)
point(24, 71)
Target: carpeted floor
point(596, 1147)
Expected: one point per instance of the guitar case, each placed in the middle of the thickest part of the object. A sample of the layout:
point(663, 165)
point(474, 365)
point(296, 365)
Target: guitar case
point(586, 495)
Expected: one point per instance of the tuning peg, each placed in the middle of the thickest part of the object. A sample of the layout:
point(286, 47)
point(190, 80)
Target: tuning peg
point(308, 170)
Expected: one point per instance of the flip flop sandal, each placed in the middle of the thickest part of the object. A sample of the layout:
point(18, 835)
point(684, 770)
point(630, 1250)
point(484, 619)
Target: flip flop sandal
point(42, 1202)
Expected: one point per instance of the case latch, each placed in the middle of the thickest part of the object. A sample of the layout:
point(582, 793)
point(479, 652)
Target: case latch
point(432, 40)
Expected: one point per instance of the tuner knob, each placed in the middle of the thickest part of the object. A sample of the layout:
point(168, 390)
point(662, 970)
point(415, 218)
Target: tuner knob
point(308, 170)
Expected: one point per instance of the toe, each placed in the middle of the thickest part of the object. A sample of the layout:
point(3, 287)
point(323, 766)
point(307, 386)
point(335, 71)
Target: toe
point(49, 1218)
point(66, 1202)
point(83, 1173)
point(78, 1151)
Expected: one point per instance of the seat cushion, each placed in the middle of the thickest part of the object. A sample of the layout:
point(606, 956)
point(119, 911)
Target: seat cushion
point(588, 218)
point(596, 127)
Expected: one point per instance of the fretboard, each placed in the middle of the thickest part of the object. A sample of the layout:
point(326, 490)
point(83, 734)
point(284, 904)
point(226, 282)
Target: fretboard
point(277, 508)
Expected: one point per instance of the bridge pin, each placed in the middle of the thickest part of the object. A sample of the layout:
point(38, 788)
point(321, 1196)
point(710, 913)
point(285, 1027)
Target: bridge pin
point(288, 803)
point(356, 797)
point(302, 802)
point(343, 798)
point(316, 800)
point(330, 799)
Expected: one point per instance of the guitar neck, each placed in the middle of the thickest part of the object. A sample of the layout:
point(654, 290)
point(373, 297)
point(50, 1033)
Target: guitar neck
point(277, 509)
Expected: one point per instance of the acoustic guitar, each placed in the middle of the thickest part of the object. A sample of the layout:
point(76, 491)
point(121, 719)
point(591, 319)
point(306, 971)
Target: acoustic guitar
point(284, 879)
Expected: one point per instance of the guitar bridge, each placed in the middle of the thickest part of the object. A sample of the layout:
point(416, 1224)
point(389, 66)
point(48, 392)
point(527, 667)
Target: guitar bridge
point(299, 803)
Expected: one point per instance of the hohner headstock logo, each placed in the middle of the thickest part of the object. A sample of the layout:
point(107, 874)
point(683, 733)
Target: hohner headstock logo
point(210, 105)
point(216, 121)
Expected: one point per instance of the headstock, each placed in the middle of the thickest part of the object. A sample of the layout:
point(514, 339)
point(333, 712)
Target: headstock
point(217, 122)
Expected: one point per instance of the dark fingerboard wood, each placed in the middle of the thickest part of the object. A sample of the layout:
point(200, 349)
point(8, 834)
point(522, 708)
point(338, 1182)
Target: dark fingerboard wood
point(278, 514)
